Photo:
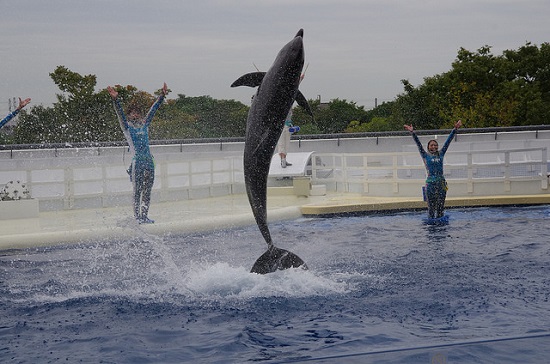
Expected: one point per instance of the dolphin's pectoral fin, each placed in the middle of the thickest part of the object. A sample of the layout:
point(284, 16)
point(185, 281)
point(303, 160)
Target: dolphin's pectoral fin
point(253, 79)
point(275, 259)
point(301, 100)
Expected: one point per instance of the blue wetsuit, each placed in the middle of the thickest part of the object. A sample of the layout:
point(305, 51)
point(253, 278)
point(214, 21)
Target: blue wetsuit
point(436, 186)
point(9, 117)
point(142, 170)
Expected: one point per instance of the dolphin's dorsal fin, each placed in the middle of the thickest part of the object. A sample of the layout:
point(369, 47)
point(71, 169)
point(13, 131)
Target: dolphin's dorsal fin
point(301, 100)
point(253, 79)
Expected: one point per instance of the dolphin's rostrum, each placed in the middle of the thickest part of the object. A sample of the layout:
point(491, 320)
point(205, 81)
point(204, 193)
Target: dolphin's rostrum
point(277, 91)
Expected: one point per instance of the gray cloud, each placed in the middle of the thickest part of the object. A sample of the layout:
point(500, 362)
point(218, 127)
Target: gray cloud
point(356, 50)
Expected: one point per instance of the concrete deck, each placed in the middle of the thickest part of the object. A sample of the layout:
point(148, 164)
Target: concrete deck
point(189, 216)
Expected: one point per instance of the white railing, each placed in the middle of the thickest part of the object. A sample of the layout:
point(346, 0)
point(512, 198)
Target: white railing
point(102, 181)
point(97, 178)
point(473, 173)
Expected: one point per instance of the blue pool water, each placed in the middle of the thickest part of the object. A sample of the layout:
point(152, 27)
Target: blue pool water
point(380, 289)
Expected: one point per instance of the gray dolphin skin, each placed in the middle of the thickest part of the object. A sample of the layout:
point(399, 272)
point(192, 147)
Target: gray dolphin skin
point(277, 91)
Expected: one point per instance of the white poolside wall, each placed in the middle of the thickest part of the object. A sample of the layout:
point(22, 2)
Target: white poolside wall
point(478, 164)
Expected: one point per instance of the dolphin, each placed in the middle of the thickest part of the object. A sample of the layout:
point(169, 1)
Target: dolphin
point(277, 91)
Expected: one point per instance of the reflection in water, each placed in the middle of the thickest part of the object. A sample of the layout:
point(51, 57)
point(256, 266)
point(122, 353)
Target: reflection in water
point(437, 233)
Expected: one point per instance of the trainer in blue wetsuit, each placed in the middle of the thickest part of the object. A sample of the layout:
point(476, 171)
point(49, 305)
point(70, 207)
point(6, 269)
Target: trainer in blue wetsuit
point(142, 171)
point(22, 104)
point(436, 186)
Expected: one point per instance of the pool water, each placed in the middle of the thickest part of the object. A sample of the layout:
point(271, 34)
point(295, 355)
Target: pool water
point(379, 289)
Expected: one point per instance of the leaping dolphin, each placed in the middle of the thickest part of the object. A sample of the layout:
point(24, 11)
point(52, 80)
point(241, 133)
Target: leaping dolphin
point(277, 91)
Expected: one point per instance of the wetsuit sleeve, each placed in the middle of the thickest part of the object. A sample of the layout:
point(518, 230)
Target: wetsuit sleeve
point(9, 117)
point(419, 145)
point(120, 114)
point(153, 110)
point(447, 143)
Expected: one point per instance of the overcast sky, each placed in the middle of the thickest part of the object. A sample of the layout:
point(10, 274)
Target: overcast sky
point(357, 50)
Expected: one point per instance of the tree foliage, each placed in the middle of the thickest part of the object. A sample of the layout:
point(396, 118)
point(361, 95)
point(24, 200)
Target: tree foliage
point(83, 115)
point(328, 118)
point(214, 118)
point(482, 89)
point(79, 115)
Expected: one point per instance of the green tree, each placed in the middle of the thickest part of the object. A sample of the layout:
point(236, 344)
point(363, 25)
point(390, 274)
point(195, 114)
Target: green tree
point(332, 117)
point(376, 124)
point(79, 115)
point(173, 123)
point(86, 116)
point(376, 120)
point(214, 118)
point(338, 114)
point(38, 125)
point(417, 106)
point(483, 90)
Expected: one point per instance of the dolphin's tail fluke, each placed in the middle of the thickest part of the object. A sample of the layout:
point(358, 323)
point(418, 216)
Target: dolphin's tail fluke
point(275, 259)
